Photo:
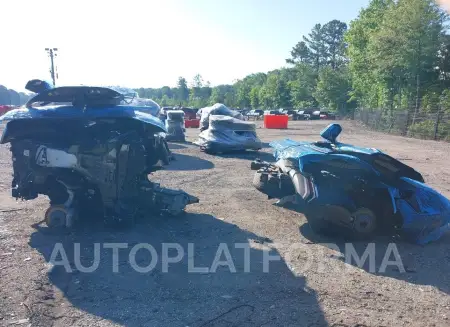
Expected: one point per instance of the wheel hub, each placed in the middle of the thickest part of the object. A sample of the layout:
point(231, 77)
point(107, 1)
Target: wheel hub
point(363, 220)
point(59, 217)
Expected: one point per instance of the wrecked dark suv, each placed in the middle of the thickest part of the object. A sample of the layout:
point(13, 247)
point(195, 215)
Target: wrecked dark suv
point(90, 151)
point(352, 191)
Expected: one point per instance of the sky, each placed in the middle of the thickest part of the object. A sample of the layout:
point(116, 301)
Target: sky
point(150, 43)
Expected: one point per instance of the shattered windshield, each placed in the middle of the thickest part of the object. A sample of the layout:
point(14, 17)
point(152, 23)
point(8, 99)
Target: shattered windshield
point(129, 95)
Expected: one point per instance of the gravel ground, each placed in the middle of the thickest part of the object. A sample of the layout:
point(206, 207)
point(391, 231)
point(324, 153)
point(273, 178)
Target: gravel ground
point(311, 284)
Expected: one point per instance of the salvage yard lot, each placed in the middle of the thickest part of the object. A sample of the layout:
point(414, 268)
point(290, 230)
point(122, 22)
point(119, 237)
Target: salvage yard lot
point(310, 286)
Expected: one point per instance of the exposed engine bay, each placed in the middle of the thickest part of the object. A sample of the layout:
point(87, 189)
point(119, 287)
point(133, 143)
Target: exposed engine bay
point(90, 166)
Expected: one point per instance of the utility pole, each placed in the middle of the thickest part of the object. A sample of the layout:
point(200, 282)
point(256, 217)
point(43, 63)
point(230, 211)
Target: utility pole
point(52, 53)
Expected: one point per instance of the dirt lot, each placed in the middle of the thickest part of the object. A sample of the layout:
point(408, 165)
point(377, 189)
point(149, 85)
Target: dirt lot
point(310, 286)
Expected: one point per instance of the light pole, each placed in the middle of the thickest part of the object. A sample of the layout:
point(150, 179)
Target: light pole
point(52, 53)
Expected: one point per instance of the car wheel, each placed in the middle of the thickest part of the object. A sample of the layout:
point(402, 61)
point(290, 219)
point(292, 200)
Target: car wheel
point(364, 222)
point(56, 217)
point(327, 220)
point(273, 185)
point(164, 152)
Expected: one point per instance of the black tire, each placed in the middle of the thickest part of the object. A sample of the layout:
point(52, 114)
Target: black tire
point(364, 223)
point(273, 185)
point(319, 226)
point(56, 192)
point(164, 152)
point(317, 222)
point(209, 150)
point(55, 218)
point(361, 226)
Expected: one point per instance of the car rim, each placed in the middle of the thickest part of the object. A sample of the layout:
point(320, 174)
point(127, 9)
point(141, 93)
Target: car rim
point(56, 217)
point(364, 221)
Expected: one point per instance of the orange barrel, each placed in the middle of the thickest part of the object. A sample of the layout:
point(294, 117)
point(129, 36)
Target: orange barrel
point(276, 121)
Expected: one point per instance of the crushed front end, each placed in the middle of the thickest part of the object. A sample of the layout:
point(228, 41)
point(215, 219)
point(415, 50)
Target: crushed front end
point(91, 161)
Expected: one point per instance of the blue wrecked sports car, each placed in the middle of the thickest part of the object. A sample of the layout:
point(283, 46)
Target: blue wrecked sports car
point(90, 150)
point(352, 191)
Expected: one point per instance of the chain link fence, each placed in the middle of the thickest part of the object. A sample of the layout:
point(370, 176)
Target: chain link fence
point(429, 126)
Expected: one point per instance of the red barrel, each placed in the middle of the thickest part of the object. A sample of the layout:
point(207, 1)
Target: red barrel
point(276, 121)
point(192, 123)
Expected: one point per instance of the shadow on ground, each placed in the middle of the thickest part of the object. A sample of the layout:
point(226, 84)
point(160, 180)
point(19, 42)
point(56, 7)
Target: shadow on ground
point(176, 146)
point(187, 162)
point(180, 296)
point(421, 265)
point(247, 155)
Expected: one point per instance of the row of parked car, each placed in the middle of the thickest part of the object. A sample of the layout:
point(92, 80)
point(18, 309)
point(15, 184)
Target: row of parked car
point(296, 114)
point(299, 114)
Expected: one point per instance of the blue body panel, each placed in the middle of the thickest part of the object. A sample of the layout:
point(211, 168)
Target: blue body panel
point(308, 152)
point(433, 218)
point(424, 224)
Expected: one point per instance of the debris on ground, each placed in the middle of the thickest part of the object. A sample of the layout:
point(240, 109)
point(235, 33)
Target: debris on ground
point(18, 322)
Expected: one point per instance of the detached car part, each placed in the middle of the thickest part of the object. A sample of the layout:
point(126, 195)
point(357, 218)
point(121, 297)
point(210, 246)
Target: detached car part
point(217, 109)
point(226, 134)
point(175, 126)
point(90, 152)
point(353, 191)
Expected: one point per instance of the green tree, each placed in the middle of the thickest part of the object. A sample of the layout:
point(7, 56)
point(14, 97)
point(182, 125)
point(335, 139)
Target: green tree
point(230, 99)
point(333, 38)
point(316, 45)
point(254, 97)
point(303, 85)
point(406, 47)
point(300, 53)
point(332, 91)
point(367, 83)
point(222, 94)
point(276, 92)
point(183, 91)
point(195, 93)
point(216, 97)
point(197, 81)
point(164, 101)
point(324, 45)
point(264, 99)
point(242, 90)
point(167, 91)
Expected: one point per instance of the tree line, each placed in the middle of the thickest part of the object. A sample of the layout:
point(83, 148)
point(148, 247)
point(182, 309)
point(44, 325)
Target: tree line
point(394, 56)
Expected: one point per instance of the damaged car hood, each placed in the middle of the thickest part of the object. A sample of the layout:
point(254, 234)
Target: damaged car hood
point(85, 102)
point(67, 112)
